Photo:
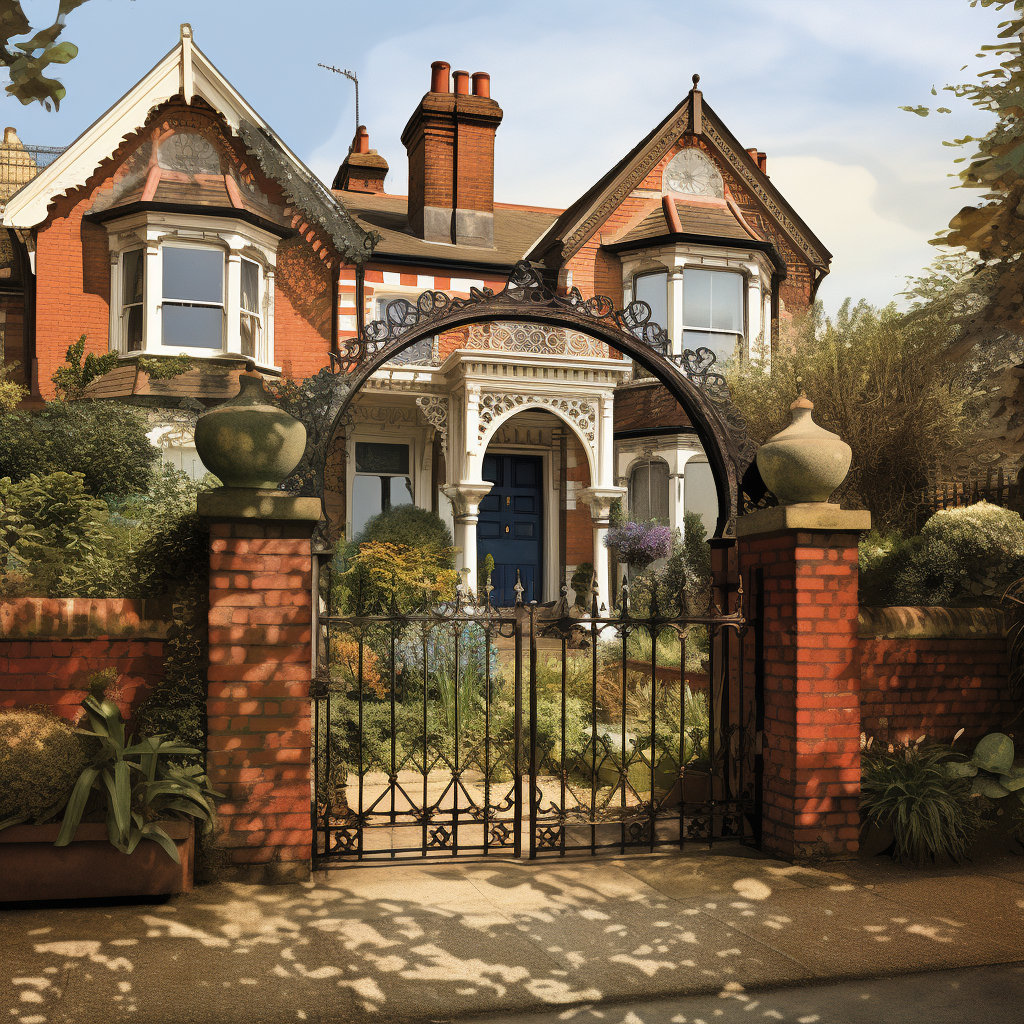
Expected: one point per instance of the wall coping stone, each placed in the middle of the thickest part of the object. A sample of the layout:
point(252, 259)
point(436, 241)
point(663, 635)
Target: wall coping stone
point(918, 623)
point(36, 618)
point(810, 515)
point(257, 503)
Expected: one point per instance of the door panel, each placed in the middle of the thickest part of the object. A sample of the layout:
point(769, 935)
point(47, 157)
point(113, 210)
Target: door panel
point(510, 527)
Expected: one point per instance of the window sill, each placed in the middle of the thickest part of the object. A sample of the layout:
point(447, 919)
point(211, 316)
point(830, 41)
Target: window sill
point(205, 355)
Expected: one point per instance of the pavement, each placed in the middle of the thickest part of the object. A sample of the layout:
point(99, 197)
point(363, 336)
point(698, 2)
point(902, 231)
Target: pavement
point(592, 938)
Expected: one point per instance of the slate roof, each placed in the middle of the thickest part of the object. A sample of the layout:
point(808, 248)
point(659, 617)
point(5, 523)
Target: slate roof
point(516, 229)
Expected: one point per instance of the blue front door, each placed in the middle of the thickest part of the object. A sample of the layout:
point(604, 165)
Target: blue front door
point(510, 525)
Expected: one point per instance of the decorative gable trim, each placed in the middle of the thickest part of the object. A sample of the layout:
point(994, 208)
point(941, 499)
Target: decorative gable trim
point(641, 166)
point(741, 168)
point(188, 73)
point(648, 155)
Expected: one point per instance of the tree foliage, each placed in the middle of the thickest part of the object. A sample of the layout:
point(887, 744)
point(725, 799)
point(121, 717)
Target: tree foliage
point(877, 378)
point(48, 525)
point(27, 61)
point(11, 393)
point(994, 230)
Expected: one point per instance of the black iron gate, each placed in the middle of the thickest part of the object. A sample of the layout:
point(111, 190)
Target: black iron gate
point(461, 728)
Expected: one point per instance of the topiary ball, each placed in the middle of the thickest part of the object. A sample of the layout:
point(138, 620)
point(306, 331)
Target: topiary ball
point(41, 757)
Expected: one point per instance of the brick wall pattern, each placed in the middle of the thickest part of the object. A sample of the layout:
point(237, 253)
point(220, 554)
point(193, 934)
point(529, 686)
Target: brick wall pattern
point(258, 704)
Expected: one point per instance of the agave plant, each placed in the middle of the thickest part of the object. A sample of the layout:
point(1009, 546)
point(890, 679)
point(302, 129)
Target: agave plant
point(911, 789)
point(136, 788)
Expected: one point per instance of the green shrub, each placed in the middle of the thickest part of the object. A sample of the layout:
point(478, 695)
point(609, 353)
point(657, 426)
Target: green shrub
point(410, 526)
point(48, 526)
point(962, 555)
point(41, 758)
point(689, 566)
point(104, 441)
point(11, 393)
point(909, 789)
point(72, 377)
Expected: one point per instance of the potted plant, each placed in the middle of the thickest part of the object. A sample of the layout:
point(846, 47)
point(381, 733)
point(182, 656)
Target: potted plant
point(127, 825)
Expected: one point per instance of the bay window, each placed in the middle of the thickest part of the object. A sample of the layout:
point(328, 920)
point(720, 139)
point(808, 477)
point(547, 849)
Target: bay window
point(193, 298)
point(252, 318)
point(653, 289)
point(199, 285)
point(132, 309)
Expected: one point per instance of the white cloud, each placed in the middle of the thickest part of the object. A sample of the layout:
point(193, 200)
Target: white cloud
point(872, 251)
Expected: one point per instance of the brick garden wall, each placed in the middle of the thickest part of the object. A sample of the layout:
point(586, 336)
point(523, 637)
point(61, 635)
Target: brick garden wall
point(933, 671)
point(49, 647)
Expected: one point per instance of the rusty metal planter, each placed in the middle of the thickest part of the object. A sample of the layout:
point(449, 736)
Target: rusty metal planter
point(90, 866)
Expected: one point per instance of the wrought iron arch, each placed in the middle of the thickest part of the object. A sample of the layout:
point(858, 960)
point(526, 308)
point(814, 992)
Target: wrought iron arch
point(690, 377)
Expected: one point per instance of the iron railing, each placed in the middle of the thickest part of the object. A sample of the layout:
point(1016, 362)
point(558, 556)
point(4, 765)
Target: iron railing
point(990, 484)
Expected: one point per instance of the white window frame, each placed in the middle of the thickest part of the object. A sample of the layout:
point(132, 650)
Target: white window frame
point(186, 245)
point(123, 307)
point(255, 316)
point(741, 334)
point(238, 240)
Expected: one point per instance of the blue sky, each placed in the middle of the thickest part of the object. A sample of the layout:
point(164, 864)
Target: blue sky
point(814, 83)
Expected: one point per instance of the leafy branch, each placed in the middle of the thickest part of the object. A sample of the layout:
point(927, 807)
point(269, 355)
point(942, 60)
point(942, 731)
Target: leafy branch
point(28, 60)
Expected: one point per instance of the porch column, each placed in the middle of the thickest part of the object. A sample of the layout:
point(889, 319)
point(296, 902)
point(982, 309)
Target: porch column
point(465, 498)
point(599, 500)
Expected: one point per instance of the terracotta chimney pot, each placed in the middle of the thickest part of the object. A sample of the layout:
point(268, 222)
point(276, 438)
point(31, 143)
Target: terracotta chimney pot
point(439, 76)
point(461, 82)
point(361, 143)
point(481, 84)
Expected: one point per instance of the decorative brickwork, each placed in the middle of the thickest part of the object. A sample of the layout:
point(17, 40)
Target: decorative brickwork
point(811, 740)
point(258, 747)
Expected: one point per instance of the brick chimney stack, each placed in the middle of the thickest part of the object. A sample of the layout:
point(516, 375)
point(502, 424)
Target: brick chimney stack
point(363, 170)
point(450, 141)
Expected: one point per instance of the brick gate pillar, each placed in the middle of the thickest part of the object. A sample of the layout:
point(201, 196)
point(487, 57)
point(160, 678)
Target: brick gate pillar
point(811, 672)
point(258, 698)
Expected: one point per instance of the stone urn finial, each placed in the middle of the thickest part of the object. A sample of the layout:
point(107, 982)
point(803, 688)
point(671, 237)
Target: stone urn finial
point(248, 441)
point(804, 462)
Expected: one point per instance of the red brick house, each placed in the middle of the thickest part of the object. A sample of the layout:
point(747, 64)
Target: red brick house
point(181, 222)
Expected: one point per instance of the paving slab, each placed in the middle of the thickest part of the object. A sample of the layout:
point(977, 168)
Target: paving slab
point(417, 942)
point(847, 931)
